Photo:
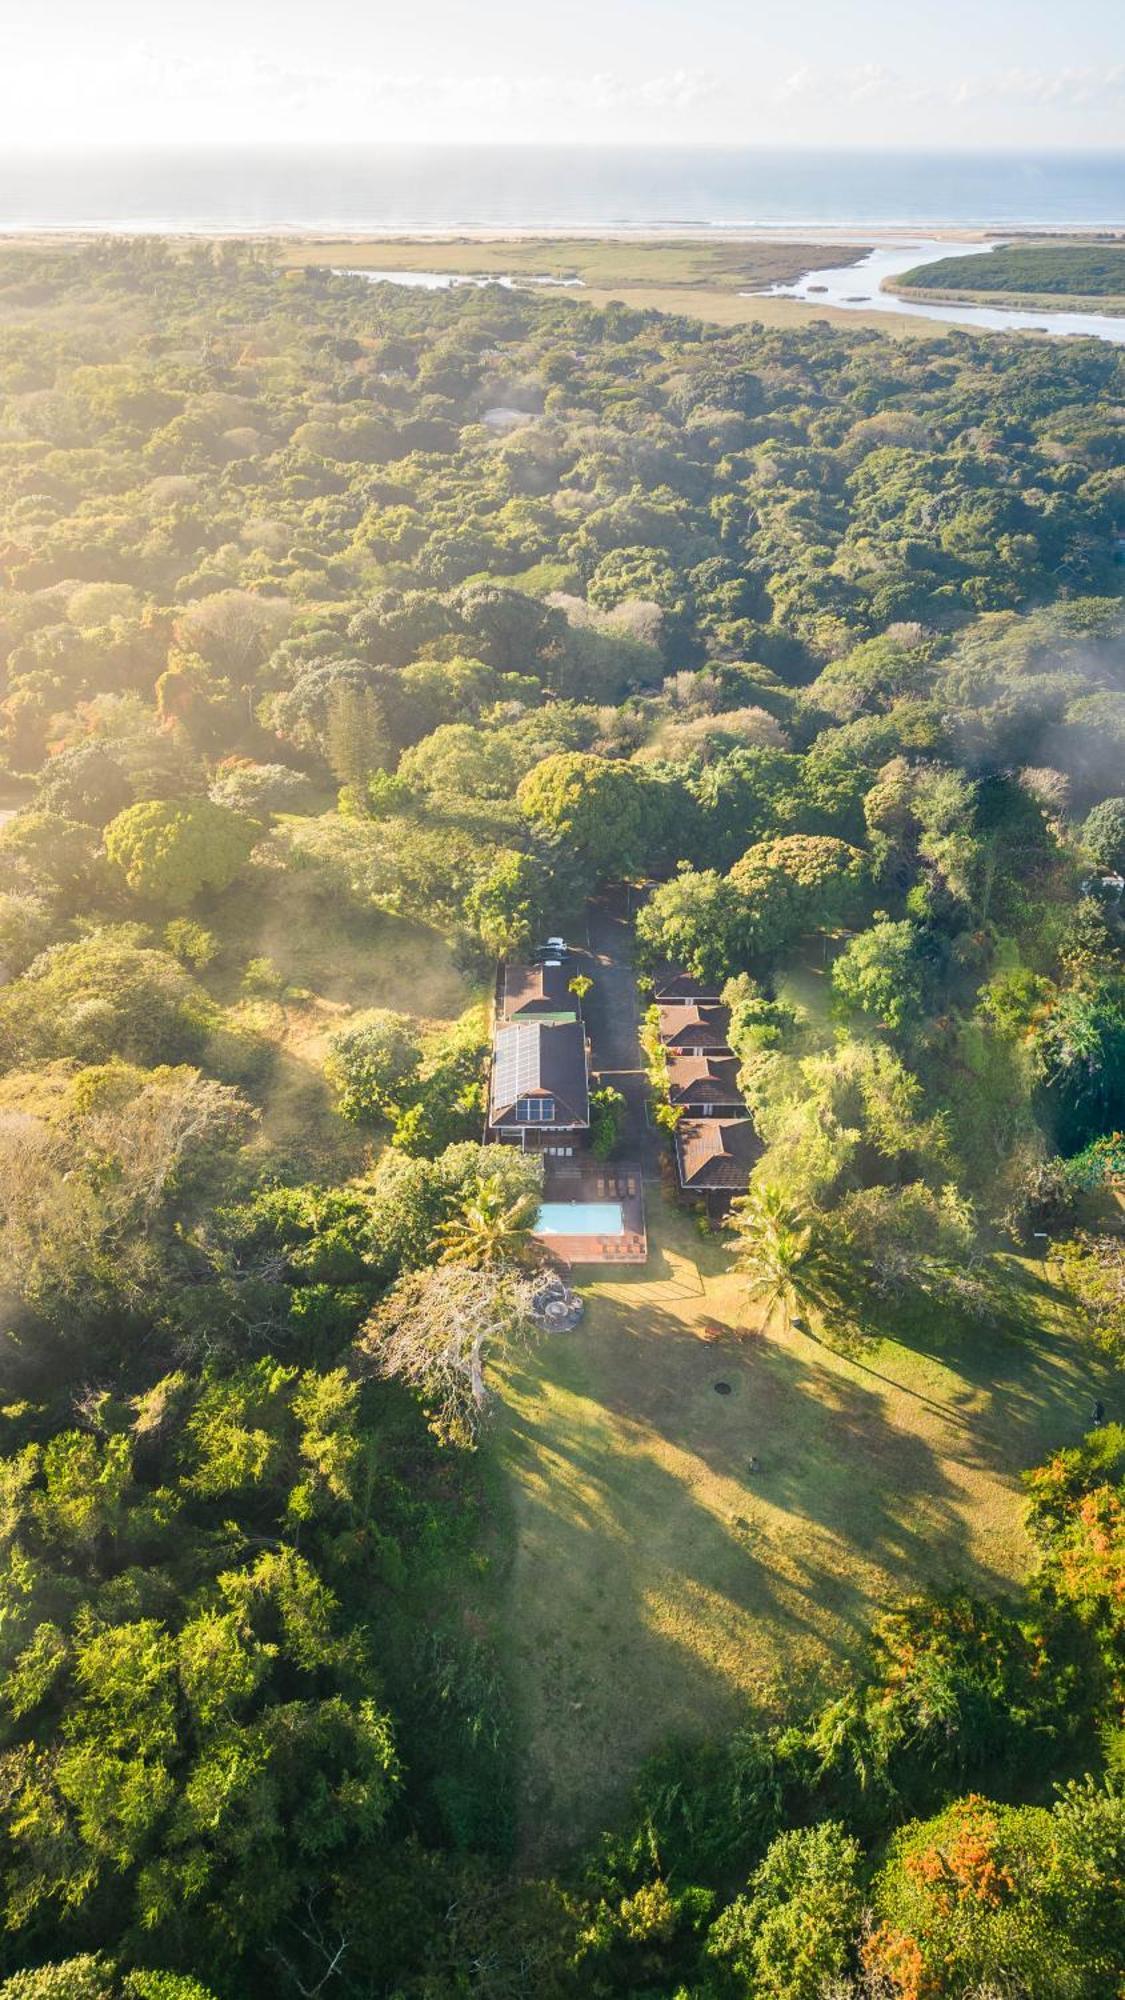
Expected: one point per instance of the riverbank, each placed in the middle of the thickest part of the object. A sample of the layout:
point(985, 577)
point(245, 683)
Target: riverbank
point(754, 309)
point(1021, 302)
point(874, 286)
point(724, 276)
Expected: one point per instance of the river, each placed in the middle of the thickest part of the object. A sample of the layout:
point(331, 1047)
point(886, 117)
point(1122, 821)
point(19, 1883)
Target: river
point(856, 288)
point(845, 287)
point(444, 281)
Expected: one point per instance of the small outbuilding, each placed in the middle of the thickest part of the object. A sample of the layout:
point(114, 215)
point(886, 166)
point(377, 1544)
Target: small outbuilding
point(694, 1029)
point(714, 1156)
point(705, 1085)
point(537, 990)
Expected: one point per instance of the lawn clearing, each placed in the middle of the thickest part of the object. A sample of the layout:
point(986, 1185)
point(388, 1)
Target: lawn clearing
point(332, 962)
point(659, 1586)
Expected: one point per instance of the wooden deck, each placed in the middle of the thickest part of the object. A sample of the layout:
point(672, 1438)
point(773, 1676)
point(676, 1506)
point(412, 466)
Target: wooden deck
point(593, 1180)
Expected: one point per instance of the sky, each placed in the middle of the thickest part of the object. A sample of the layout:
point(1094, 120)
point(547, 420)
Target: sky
point(958, 73)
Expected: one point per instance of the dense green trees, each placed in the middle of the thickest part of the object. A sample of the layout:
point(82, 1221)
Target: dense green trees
point(372, 1061)
point(257, 790)
point(697, 920)
point(612, 818)
point(199, 1745)
point(796, 884)
point(107, 995)
point(880, 974)
point(777, 892)
point(990, 1892)
point(817, 637)
point(171, 850)
point(792, 1930)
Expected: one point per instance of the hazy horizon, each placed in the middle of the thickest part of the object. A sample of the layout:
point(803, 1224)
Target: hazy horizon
point(394, 189)
point(623, 71)
point(130, 148)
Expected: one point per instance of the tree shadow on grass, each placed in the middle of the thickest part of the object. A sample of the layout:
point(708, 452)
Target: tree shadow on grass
point(683, 1555)
point(660, 1586)
point(1037, 1374)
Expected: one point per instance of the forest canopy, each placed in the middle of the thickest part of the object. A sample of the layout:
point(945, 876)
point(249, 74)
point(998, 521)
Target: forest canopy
point(353, 637)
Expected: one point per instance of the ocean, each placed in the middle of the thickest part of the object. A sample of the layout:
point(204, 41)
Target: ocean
point(405, 188)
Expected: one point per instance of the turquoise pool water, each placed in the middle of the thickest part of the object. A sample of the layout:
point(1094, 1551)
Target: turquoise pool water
point(580, 1218)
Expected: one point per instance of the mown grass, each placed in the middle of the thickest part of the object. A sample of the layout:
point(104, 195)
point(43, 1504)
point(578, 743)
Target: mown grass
point(661, 1587)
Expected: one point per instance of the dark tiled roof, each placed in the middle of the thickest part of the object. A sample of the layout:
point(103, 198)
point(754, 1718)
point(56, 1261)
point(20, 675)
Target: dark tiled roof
point(671, 984)
point(694, 1027)
point(535, 1058)
point(537, 989)
point(703, 1080)
point(716, 1152)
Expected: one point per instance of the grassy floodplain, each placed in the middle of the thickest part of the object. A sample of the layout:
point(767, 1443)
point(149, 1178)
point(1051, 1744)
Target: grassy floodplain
point(727, 265)
point(722, 282)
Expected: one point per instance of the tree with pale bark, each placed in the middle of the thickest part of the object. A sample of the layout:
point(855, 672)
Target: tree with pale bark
point(434, 1332)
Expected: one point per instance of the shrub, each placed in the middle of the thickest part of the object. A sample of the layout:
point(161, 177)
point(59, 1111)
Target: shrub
point(607, 1118)
point(191, 943)
point(1104, 834)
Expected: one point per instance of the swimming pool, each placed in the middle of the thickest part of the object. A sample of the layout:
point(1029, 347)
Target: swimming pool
point(580, 1218)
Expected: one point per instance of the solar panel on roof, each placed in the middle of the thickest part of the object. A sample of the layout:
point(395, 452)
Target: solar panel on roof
point(517, 1061)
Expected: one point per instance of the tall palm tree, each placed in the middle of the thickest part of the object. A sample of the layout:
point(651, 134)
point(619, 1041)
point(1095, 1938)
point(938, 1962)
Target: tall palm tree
point(781, 1253)
point(490, 1230)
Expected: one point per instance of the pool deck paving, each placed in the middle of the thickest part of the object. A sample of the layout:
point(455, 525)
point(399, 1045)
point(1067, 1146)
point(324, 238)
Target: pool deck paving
point(585, 1179)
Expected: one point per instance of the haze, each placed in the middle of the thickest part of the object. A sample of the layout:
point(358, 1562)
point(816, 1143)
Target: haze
point(1012, 74)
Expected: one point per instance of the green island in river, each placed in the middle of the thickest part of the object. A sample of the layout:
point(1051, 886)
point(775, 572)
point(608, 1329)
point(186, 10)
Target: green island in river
point(1088, 275)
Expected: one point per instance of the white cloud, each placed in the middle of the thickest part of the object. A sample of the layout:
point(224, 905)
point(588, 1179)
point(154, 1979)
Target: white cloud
point(860, 84)
point(875, 83)
point(1067, 87)
point(171, 88)
point(803, 82)
point(149, 91)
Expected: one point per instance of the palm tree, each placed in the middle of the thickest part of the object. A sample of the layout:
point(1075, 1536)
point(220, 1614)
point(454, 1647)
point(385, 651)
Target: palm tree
point(781, 1253)
point(489, 1230)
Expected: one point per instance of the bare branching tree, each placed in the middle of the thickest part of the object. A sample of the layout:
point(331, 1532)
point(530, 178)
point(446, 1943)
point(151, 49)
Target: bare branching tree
point(434, 1331)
